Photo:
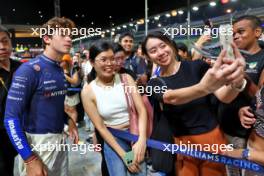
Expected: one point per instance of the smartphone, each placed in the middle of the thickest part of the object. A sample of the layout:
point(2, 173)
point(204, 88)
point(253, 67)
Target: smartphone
point(208, 25)
point(226, 38)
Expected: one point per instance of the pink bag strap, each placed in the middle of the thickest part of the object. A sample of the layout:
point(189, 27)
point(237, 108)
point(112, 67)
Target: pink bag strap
point(129, 100)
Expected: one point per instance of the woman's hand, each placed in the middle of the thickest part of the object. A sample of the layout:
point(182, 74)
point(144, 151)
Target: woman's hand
point(216, 76)
point(246, 117)
point(132, 165)
point(202, 40)
point(139, 149)
point(225, 71)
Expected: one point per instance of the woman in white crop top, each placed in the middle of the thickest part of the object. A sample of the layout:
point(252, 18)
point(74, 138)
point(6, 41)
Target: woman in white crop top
point(105, 103)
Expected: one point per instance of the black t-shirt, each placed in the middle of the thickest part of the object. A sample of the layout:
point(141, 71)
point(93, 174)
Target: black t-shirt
point(6, 77)
point(195, 117)
point(228, 113)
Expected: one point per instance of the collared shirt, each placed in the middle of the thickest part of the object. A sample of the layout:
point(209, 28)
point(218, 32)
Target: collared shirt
point(5, 81)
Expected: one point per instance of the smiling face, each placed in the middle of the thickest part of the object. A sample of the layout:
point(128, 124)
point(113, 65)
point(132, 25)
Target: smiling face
point(105, 64)
point(127, 43)
point(5, 46)
point(245, 35)
point(160, 52)
point(120, 59)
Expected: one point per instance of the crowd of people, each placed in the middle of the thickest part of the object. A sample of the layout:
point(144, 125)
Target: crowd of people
point(206, 101)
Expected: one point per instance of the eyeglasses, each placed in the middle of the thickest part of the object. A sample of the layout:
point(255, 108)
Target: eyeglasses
point(105, 60)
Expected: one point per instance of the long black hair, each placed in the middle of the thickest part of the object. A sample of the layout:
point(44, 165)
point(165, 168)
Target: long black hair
point(95, 49)
point(159, 35)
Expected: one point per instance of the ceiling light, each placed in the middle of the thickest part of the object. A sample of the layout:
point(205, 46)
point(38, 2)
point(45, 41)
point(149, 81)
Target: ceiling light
point(212, 3)
point(180, 12)
point(195, 8)
point(173, 13)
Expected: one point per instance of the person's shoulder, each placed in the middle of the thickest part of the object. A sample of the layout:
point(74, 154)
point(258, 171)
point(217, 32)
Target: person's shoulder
point(31, 67)
point(262, 53)
point(87, 92)
point(198, 64)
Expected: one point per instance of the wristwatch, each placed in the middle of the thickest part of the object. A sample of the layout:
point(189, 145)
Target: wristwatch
point(240, 89)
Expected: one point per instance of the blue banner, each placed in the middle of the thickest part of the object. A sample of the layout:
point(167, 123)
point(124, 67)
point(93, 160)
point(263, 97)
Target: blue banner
point(240, 163)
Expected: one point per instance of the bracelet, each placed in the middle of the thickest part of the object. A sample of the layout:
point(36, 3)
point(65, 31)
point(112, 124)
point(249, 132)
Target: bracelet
point(245, 154)
point(31, 160)
point(240, 89)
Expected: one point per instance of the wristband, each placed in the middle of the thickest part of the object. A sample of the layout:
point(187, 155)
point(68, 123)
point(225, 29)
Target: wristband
point(31, 160)
point(245, 154)
point(128, 158)
point(240, 89)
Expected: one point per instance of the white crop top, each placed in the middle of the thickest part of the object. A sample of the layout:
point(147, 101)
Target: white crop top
point(111, 102)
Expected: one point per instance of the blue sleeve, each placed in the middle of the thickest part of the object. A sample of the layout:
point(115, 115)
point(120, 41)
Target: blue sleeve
point(18, 99)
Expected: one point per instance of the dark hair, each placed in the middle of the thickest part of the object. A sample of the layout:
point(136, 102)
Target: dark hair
point(95, 49)
point(78, 52)
point(117, 48)
point(255, 21)
point(57, 22)
point(139, 45)
point(126, 34)
point(5, 30)
point(182, 46)
point(161, 36)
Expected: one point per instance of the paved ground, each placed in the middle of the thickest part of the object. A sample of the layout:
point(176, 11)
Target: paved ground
point(82, 164)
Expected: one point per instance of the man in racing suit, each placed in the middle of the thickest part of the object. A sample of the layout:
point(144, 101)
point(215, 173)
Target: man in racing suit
point(34, 116)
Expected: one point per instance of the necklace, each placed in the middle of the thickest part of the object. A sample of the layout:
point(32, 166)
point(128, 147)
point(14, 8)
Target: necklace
point(105, 85)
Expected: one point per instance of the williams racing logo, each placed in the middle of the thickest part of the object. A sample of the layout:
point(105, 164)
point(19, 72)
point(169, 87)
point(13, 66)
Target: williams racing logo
point(55, 93)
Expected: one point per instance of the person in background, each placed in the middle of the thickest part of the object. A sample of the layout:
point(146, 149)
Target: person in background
point(119, 55)
point(254, 120)
point(7, 69)
point(183, 51)
point(246, 32)
point(132, 62)
point(72, 75)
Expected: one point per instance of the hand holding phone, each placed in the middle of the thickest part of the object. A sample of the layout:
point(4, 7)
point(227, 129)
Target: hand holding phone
point(128, 158)
point(226, 38)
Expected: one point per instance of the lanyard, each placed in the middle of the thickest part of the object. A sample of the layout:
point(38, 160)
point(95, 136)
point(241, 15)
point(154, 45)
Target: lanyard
point(3, 83)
